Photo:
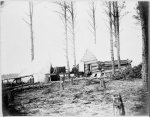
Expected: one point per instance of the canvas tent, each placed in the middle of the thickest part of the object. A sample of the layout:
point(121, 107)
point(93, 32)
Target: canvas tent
point(38, 69)
point(9, 77)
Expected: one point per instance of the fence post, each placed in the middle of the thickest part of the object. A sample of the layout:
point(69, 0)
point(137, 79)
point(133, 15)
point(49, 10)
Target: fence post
point(61, 83)
point(102, 83)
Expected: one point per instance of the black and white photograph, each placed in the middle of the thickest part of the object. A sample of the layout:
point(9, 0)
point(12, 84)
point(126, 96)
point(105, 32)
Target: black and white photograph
point(74, 58)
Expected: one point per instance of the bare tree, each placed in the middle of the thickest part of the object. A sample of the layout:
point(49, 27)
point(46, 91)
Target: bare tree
point(111, 36)
point(66, 36)
point(92, 21)
point(71, 10)
point(144, 13)
point(64, 17)
point(31, 29)
point(116, 14)
point(109, 13)
point(116, 30)
point(30, 23)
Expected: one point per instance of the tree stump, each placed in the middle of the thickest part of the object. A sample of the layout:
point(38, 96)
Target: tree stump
point(62, 80)
point(118, 106)
point(102, 83)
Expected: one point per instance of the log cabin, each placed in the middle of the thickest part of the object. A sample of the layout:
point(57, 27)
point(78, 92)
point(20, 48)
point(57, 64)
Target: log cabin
point(94, 66)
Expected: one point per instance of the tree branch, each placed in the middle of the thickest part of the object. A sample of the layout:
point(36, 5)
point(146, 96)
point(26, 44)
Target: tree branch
point(26, 21)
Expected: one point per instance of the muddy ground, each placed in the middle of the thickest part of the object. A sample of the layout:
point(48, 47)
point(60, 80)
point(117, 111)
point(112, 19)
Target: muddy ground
point(82, 99)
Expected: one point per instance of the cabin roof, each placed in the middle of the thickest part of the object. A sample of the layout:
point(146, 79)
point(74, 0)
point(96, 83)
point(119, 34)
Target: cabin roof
point(122, 62)
point(92, 55)
point(88, 56)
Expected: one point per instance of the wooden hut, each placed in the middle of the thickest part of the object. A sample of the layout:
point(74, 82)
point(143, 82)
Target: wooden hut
point(108, 66)
point(93, 65)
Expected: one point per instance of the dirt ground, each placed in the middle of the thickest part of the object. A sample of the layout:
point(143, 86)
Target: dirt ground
point(82, 99)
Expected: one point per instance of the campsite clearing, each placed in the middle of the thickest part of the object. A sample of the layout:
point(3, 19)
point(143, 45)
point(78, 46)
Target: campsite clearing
point(81, 99)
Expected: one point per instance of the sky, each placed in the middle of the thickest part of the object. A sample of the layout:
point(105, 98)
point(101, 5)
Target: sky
point(49, 39)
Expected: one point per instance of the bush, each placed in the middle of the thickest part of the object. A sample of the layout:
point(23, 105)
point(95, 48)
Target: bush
point(117, 76)
point(128, 73)
point(137, 71)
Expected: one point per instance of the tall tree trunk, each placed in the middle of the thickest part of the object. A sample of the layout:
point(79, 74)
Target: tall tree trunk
point(111, 38)
point(144, 9)
point(64, 8)
point(73, 36)
point(73, 32)
point(31, 29)
point(114, 23)
point(94, 22)
point(66, 38)
point(116, 31)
